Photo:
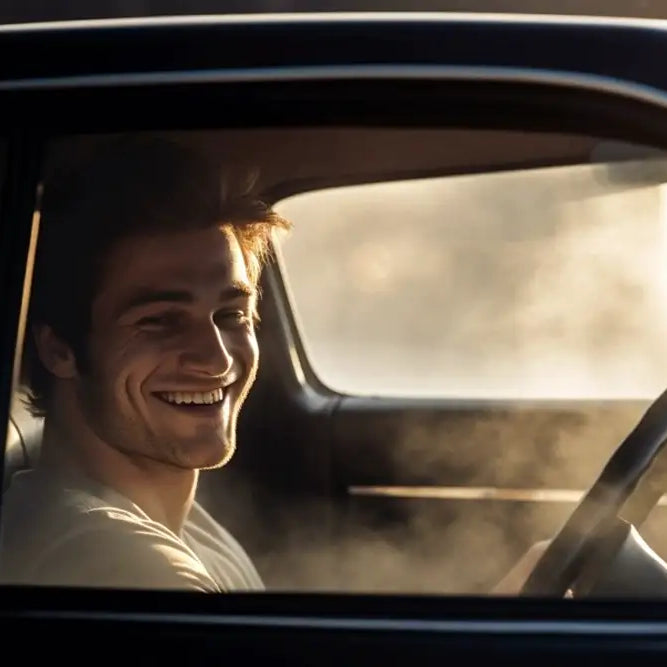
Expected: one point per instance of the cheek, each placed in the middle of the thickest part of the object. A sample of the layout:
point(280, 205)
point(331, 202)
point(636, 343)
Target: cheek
point(129, 366)
point(250, 349)
point(243, 347)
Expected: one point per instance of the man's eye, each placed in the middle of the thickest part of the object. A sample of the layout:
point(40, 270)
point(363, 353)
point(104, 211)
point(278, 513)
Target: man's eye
point(232, 318)
point(163, 321)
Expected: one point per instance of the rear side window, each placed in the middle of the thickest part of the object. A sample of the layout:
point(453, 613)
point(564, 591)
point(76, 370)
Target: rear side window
point(545, 283)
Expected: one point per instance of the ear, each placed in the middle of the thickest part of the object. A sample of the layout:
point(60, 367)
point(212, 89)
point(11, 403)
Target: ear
point(54, 353)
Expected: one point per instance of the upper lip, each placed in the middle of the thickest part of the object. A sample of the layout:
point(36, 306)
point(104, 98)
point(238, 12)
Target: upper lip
point(192, 390)
point(203, 390)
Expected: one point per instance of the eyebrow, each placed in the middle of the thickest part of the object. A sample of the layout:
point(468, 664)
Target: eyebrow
point(145, 296)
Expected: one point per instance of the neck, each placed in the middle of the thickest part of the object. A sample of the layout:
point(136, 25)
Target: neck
point(163, 491)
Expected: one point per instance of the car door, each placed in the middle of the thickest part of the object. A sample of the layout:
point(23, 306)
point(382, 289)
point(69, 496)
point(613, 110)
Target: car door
point(421, 474)
point(333, 453)
point(420, 468)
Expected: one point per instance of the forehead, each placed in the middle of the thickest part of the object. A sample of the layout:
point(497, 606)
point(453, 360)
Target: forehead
point(195, 260)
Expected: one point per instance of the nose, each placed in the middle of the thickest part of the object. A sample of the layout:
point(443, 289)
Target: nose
point(207, 352)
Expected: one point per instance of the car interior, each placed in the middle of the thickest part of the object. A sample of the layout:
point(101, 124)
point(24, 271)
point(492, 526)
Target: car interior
point(334, 490)
point(462, 338)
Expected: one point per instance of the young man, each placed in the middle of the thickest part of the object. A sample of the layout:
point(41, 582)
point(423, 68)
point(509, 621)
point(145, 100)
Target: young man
point(140, 353)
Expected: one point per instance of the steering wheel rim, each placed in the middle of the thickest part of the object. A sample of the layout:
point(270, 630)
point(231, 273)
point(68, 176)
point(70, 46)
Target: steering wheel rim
point(632, 470)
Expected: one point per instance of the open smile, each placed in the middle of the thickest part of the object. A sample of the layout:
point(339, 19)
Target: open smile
point(192, 398)
point(207, 404)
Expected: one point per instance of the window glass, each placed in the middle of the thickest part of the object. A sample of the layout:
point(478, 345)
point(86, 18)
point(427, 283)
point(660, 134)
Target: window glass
point(164, 438)
point(543, 283)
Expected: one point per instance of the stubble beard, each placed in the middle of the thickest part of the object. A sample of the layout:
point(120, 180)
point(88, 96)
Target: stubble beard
point(121, 432)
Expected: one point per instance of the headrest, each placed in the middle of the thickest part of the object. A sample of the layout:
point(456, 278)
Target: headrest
point(24, 439)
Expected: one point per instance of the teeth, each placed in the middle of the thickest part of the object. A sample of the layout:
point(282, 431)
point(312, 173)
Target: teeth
point(196, 397)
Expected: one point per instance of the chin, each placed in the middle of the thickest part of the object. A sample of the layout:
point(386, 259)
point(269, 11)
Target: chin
point(211, 457)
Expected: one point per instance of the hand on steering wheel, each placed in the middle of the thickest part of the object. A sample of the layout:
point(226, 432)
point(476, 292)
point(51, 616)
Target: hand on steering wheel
point(628, 488)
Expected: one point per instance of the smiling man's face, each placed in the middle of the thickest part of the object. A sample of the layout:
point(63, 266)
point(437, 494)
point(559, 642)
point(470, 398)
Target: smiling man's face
point(172, 349)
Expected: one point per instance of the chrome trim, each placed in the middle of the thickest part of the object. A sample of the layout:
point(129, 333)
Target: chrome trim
point(474, 493)
point(297, 18)
point(595, 82)
point(560, 627)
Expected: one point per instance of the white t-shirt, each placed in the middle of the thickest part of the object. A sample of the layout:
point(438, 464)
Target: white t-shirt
point(58, 530)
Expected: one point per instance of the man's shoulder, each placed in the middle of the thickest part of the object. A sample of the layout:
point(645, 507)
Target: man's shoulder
point(110, 548)
point(69, 536)
point(220, 552)
point(45, 506)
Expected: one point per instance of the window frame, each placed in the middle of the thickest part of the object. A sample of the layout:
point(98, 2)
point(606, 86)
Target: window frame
point(78, 94)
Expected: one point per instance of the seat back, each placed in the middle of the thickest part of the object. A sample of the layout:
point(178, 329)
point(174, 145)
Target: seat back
point(24, 440)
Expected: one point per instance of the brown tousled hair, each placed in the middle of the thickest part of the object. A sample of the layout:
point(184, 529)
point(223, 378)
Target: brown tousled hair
point(128, 186)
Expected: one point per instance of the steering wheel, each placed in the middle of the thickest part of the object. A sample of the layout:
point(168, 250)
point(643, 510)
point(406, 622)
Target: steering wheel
point(628, 488)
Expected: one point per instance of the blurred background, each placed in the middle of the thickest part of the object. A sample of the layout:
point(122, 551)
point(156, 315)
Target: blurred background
point(543, 283)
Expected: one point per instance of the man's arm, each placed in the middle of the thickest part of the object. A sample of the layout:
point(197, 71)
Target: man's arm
point(636, 571)
point(513, 581)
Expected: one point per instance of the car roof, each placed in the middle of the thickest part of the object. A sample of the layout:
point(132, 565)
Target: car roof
point(330, 17)
point(73, 52)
